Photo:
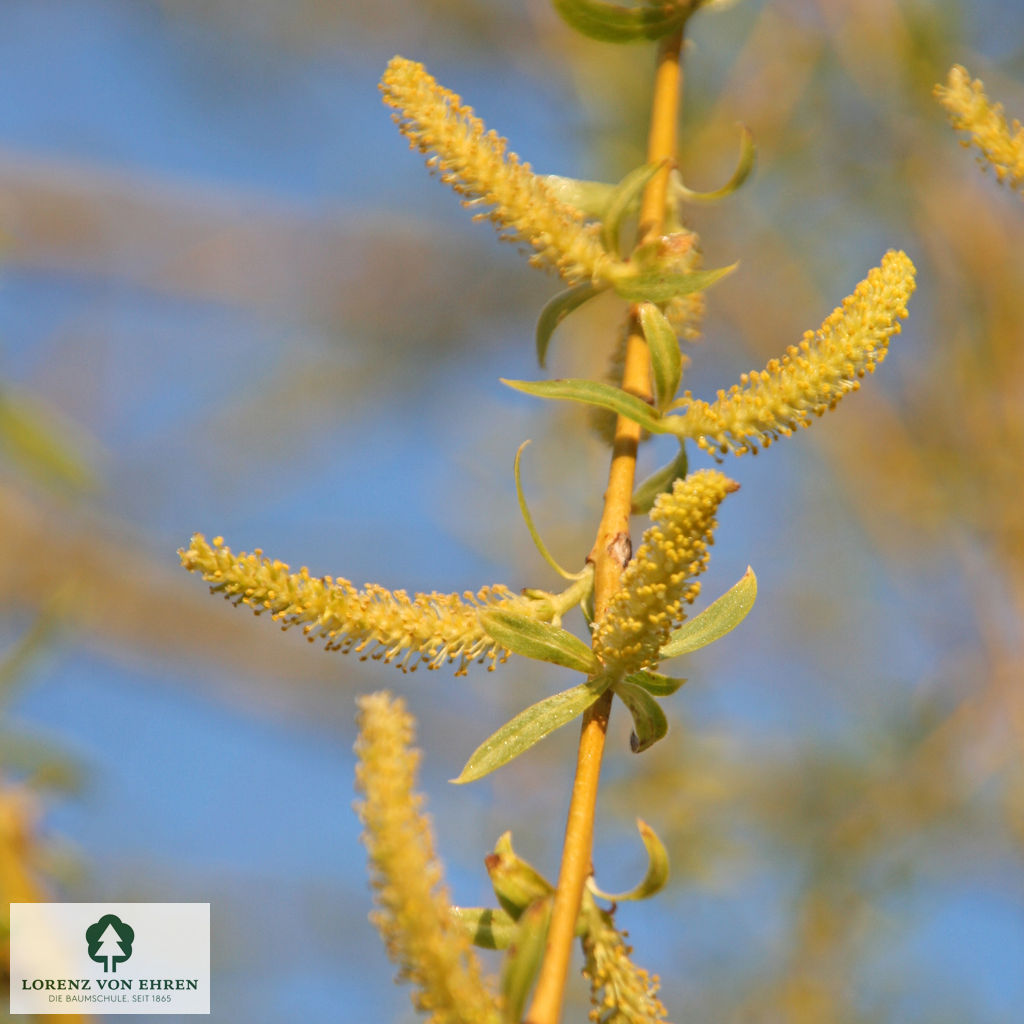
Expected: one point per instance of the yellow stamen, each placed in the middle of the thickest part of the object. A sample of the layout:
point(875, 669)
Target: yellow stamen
point(811, 377)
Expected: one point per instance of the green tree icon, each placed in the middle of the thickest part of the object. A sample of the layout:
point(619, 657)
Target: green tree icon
point(110, 941)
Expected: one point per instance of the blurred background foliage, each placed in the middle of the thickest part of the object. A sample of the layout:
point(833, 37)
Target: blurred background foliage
point(231, 301)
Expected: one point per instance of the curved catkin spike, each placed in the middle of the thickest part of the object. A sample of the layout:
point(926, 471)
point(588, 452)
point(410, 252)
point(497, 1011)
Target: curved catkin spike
point(476, 163)
point(386, 625)
point(414, 915)
point(811, 377)
point(620, 992)
point(969, 110)
point(661, 578)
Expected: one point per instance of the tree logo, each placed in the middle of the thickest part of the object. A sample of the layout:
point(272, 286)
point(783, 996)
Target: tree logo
point(110, 942)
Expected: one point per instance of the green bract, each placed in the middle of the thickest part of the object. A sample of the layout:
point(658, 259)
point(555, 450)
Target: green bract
point(658, 285)
point(666, 359)
point(624, 198)
point(556, 311)
point(616, 23)
point(649, 723)
point(523, 960)
point(745, 164)
point(486, 927)
point(657, 869)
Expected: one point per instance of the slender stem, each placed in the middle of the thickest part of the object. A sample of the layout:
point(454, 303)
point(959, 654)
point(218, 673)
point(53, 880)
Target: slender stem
point(610, 554)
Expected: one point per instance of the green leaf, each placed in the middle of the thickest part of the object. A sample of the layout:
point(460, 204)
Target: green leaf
point(524, 510)
point(666, 359)
point(592, 392)
point(649, 724)
point(557, 310)
point(659, 482)
point(625, 197)
point(745, 164)
point(719, 618)
point(538, 640)
point(515, 881)
point(591, 198)
point(661, 285)
point(615, 23)
point(486, 927)
point(654, 683)
point(523, 960)
point(657, 869)
point(531, 726)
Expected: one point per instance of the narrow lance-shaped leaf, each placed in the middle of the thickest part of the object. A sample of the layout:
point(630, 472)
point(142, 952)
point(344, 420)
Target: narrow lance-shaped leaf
point(666, 359)
point(657, 869)
point(538, 640)
point(660, 285)
point(719, 618)
point(557, 310)
point(625, 197)
point(531, 726)
point(486, 927)
point(649, 723)
point(745, 164)
point(659, 482)
point(528, 520)
point(616, 23)
point(592, 392)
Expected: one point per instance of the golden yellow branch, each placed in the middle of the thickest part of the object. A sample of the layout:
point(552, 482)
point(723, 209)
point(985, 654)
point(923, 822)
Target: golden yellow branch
point(610, 554)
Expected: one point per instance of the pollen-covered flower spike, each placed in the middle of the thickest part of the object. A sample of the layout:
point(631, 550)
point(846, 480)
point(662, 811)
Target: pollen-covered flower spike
point(661, 578)
point(413, 916)
point(811, 377)
point(476, 163)
point(374, 622)
point(620, 992)
point(970, 110)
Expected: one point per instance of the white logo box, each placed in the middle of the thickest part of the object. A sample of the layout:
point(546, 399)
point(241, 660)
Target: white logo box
point(100, 958)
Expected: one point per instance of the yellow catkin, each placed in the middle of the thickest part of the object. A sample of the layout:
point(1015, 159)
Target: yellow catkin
point(620, 992)
point(391, 626)
point(414, 912)
point(1000, 145)
point(476, 163)
point(811, 377)
point(661, 578)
